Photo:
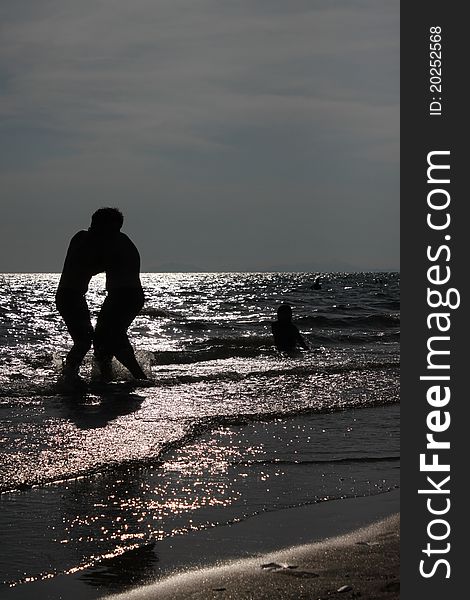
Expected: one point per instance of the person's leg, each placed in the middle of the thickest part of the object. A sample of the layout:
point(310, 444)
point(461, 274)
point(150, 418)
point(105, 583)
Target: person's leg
point(117, 313)
point(130, 305)
point(126, 356)
point(103, 339)
point(74, 310)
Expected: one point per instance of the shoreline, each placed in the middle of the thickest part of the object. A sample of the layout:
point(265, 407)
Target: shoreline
point(181, 560)
point(363, 564)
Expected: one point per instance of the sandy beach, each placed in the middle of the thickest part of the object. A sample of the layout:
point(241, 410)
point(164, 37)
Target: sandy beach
point(363, 564)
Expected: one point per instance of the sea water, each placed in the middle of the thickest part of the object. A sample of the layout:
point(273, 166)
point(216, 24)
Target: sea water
point(230, 428)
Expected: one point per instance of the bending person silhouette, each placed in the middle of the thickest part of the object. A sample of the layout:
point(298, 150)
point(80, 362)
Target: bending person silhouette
point(286, 335)
point(81, 263)
point(125, 296)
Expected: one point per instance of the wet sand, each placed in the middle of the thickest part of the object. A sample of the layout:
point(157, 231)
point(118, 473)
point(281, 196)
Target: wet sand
point(181, 563)
point(315, 539)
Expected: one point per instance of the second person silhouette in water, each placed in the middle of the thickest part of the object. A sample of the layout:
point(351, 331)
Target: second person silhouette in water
point(286, 335)
point(125, 296)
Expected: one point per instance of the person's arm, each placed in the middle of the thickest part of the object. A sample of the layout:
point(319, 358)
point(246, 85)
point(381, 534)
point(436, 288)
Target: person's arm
point(275, 332)
point(75, 248)
point(72, 258)
point(300, 340)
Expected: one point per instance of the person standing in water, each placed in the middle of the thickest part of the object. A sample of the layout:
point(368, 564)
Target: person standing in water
point(286, 335)
point(125, 296)
point(81, 263)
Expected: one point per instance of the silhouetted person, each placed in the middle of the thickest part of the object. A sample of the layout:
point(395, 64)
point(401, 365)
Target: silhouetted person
point(286, 335)
point(125, 296)
point(81, 263)
point(317, 284)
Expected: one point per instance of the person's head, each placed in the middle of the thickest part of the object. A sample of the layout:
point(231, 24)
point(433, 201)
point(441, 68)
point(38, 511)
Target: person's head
point(284, 313)
point(106, 220)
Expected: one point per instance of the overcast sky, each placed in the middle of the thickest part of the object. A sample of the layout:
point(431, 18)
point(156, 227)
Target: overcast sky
point(233, 134)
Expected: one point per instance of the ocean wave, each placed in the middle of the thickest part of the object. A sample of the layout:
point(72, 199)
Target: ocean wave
point(345, 460)
point(219, 348)
point(353, 338)
point(376, 321)
point(299, 371)
point(258, 346)
point(351, 322)
point(20, 386)
point(384, 314)
point(195, 430)
point(216, 349)
point(155, 312)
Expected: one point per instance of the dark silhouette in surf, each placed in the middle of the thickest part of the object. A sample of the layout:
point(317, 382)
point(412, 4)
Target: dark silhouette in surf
point(317, 284)
point(125, 296)
point(81, 263)
point(287, 337)
point(102, 248)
